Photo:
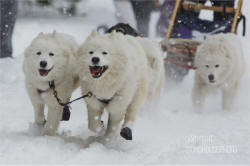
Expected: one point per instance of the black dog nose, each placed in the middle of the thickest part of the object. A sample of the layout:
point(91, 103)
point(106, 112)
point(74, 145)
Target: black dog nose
point(211, 77)
point(95, 60)
point(43, 64)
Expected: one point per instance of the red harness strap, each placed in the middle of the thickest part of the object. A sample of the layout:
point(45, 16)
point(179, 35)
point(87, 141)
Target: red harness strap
point(179, 64)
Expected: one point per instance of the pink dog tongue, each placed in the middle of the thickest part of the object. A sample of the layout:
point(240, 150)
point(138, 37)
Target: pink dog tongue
point(95, 70)
point(43, 72)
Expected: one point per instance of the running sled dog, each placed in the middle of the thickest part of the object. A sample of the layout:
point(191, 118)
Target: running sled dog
point(50, 57)
point(220, 65)
point(155, 62)
point(115, 68)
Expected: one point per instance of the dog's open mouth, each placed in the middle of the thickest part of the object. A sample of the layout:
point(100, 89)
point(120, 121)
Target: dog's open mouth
point(44, 72)
point(97, 71)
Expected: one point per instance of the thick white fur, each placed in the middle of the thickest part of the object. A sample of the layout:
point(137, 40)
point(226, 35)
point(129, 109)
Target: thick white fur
point(156, 70)
point(126, 81)
point(224, 50)
point(63, 73)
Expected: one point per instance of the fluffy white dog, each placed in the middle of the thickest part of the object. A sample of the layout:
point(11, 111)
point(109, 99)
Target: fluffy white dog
point(155, 59)
point(50, 57)
point(115, 69)
point(220, 64)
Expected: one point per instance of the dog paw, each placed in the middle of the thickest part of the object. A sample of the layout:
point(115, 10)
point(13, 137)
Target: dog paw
point(126, 133)
point(96, 126)
point(49, 130)
point(226, 108)
point(36, 129)
point(40, 122)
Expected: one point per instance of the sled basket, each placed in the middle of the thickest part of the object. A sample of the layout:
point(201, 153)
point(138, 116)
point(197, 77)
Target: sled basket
point(178, 43)
point(190, 6)
point(180, 46)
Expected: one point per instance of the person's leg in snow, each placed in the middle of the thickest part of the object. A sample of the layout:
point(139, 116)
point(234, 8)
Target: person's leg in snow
point(7, 22)
point(124, 12)
point(142, 11)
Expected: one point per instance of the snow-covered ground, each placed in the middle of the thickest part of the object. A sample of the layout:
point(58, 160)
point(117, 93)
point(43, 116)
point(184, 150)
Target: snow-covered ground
point(172, 134)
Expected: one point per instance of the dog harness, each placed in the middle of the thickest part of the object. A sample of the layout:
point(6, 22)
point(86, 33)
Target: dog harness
point(66, 111)
point(104, 101)
point(40, 91)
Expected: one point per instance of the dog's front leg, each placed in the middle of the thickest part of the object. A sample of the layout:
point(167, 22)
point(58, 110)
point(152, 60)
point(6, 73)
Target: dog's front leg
point(94, 118)
point(228, 96)
point(116, 109)
point(53, 119)
point(130, 117)
point(114, 120)
point(198, 95)
point(37, 104)
point(54, 113)
point(39, 113)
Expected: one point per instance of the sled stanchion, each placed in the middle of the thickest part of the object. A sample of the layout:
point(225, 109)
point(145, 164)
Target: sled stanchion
point(171, 25)
point(236, 15)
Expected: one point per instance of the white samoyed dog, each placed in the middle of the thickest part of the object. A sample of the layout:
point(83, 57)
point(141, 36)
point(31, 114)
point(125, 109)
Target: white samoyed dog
point(155, 59)
point(220, 64)
point(114, 68)
point(50, 57)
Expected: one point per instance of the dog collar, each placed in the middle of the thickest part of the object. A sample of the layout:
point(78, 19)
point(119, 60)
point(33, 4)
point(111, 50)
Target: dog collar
point(104, 101)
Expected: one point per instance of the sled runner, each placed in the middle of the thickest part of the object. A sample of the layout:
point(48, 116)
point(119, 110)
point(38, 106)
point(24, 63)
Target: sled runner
point(180, 43)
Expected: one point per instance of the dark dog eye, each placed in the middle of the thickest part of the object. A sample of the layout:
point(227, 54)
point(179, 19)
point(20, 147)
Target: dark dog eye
point(38, 53)
point(104, 53)
point(207, 66)
point(51, 54)
point(91, 52)
point(217, 66)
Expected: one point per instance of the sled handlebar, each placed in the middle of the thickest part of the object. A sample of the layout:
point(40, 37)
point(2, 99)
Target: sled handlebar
point(197, 7)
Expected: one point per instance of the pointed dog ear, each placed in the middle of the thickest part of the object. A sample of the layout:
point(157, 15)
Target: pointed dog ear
point(228, 56)
point(40, 34)
point(113, 34)
point(93, 33)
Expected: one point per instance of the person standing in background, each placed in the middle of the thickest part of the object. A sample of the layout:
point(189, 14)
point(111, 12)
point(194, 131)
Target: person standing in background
point(124, 12)
point(166, 11)
point(142, 10)
point(136, 13)
point(168, 7)
point(7, 22)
